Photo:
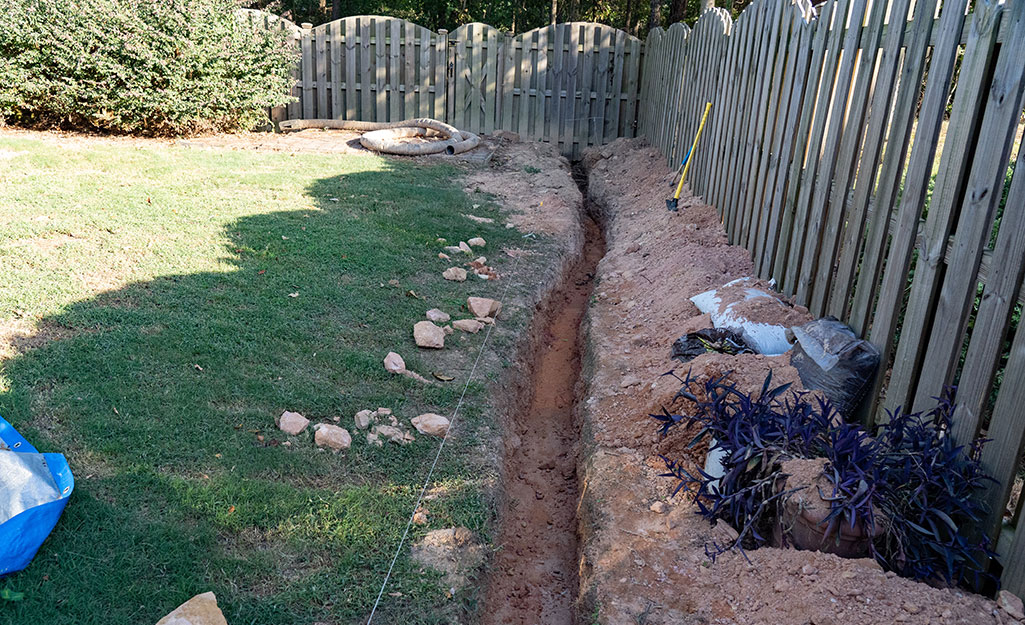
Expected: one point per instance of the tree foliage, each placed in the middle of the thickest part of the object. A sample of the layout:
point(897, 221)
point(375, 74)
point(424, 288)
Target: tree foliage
point(142, 66)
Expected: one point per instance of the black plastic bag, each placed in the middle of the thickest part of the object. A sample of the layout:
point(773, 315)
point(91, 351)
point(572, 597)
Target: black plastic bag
point(831, 358)
point(720, 340)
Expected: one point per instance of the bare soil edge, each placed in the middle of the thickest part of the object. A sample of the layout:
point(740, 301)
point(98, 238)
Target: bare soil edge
point(643, 556)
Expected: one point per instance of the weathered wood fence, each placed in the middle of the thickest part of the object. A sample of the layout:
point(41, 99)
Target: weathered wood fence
point(873, 186)
point(573, 85)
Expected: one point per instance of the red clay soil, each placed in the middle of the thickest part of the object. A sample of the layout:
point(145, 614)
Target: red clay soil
point(643, 551)
point(534, 576)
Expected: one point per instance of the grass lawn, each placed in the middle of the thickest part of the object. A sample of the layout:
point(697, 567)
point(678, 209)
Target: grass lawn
point(159, 306)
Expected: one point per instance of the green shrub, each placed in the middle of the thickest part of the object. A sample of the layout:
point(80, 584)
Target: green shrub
point(140, 66)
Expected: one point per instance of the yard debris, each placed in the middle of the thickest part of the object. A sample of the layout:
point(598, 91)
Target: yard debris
point(438, 316)
point(468, 325)
point(831, 358)
point(199, 610)
point(477, 242)
point(331, 436)
point(426, 334)
point(483, 306)
point(291, 423)
point(442, 377)
point(718, 340)
point(483, 271)
point(749, 307)
point(455, 274)
point(431, 424)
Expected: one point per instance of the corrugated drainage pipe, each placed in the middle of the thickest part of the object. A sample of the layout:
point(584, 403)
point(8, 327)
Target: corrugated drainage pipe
point(387, 136)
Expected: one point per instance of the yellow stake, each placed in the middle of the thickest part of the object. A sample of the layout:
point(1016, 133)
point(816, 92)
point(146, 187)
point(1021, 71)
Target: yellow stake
point(690, 159)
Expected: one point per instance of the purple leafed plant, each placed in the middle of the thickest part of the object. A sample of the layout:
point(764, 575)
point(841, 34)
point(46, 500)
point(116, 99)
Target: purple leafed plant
point(925, 488)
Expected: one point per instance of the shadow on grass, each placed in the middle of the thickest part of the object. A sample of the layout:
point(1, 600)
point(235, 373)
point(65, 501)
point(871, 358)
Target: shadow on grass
point(158, 391)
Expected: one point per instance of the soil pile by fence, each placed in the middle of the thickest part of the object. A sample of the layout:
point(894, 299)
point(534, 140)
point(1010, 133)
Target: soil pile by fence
point(644, 557)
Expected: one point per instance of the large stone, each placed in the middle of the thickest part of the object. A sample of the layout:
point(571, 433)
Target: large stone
point(331, 436)
point(1010, 603)
point(438, 316)
point(477, 242)
point(455, 274)
point(464, 247)
point(468, 325)
point(394, 363)
point(292, 423)
point(426, 334)
point(431, 424)
point(199, 610)
point(483, 306)
point(453, 249)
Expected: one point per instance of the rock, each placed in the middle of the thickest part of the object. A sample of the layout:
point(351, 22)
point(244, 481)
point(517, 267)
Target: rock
point(455, 274)
point(659, 507)
point(393, 434)
point(481, 259)
point(443, 256)
point(912, 608)
point(447, 329)
point(477, 242)
point(437, 315)
point(292, 423)
point(364, 418)
point(808, 569)
point(453, 249)
point(1011, 603)
point(373, 439)
point(331, 436)
point(426, 334)
point(383, 412)
point(488, 321)
point(431, 424)
point(630, 380)
point(483, 307)
point(633, 247)
point(463, 247)
point(394, 363)
point(199, 610)
point(420, 516)
point(468, 325)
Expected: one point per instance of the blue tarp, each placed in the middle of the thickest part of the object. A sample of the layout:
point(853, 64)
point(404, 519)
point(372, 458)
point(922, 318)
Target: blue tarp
point(34, 488)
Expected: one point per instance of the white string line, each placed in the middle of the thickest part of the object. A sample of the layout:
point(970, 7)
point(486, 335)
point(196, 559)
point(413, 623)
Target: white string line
point(437, 456)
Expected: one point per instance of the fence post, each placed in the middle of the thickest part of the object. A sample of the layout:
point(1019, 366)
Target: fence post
point(444, 81)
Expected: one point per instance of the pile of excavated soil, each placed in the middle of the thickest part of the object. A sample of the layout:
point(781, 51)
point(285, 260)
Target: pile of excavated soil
point(644, 561)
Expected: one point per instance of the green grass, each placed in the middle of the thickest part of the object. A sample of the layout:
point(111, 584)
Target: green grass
point(140, 265)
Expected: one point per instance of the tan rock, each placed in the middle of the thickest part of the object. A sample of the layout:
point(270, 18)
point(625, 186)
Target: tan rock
point(374, 439)
point(394, 363)
point(481, 259)
point(455, 274)
point(483, 306)
point(393, 434)
point(292, 423)
point(659, 507)
point(477, 242)
point(364, 418)
point(426, 334)
point(1010, 603)
point(468, 325)
point(331, 436)
point(431, 424)
point(199, 610)
point(383, 412)
point(453, 249)
point(464, 247)
point(438, 316)
point(443, 256)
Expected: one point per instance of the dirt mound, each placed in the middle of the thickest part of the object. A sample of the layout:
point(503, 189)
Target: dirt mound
point(647, 563)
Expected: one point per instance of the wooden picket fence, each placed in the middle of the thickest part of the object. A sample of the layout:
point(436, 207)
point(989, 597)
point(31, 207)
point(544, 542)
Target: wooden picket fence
point(574, 84)
point(832, 156)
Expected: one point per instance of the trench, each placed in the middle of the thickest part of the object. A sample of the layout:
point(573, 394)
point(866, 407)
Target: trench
point(534, 578)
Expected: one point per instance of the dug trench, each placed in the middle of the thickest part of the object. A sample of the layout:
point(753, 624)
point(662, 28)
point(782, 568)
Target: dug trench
point(534, 576)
